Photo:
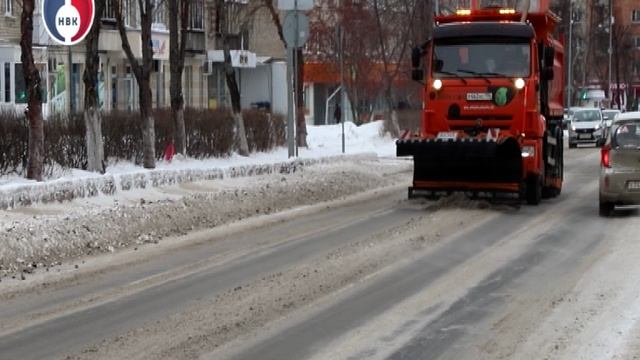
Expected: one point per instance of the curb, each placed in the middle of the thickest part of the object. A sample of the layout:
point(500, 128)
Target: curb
point(68, 190)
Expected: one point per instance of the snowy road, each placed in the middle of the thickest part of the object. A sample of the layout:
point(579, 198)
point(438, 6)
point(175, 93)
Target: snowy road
point(371, 277)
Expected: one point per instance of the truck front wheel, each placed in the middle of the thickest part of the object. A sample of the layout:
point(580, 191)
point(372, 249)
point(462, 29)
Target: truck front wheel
point(534, 190)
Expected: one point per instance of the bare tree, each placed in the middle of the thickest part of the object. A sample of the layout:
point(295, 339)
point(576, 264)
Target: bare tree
point(32, 80)
point(301, 124)
point(393, 31)
point(92, 115)
point(622, 44)
point(142, 72)
point(178, 22)
point(222, 26)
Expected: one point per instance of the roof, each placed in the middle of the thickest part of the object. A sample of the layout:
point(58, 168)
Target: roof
point(483, 29)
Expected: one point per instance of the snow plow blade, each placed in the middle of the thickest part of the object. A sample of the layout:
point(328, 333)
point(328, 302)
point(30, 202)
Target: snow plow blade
point(477, 167)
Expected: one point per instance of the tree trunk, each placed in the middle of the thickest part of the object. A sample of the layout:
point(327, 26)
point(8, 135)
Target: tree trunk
point(148, 129)
point(177, 42)
point(234, 90)
point(92, 115)
point(35, 164)
point(142, 73)
point(241, 137)
point(391, 114)
point(301, 124)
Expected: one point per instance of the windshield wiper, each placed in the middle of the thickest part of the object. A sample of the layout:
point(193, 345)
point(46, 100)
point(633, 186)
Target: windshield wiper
point(482, 75)
point(453, 74)
point(494, 74)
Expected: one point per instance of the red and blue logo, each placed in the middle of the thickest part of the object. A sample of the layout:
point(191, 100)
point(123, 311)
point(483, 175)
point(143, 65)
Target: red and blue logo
point(68, 21)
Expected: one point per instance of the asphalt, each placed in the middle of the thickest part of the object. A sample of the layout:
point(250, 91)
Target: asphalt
point(556, 240)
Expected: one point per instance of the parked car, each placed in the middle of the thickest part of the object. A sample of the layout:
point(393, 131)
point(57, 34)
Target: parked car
point(620, 164)
point(587, 127)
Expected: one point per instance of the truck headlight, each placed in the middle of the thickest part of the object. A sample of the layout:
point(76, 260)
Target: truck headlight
point(528, 151)
point(437, 84)
point(519, 83)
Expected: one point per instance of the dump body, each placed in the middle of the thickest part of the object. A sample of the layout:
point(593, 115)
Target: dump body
point(493, 106)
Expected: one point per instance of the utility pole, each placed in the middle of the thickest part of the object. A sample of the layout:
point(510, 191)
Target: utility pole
point(341, 60)
point(343, 116)
point(611, 22)
point(570, 67)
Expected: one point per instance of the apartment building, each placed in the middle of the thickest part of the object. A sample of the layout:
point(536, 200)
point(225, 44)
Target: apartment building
point(627, 15)
point(256, 56)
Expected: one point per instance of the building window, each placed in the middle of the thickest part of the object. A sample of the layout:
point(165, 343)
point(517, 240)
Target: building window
point(159, 15)
point(126, 13)
point(635, 16)
point(637, 41)
point(21, 86)
point(109, 13)
point(8, 7)
point(7, 82)
point(196, 15)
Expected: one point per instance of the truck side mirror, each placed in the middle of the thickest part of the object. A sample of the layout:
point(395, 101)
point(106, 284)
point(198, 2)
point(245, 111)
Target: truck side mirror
point(549, 56)
point(416, 57)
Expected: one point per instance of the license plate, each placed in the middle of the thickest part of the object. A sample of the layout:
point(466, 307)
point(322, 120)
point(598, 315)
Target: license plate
point(448, 135)
point(584, 136)
point(633, 185)
point(479, 96)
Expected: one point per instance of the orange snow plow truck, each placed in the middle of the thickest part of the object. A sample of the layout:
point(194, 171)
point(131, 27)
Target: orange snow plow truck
point(492, 103)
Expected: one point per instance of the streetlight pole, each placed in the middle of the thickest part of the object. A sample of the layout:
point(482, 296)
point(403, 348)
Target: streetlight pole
point(570, 65)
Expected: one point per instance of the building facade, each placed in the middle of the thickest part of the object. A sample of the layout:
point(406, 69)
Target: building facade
point(203, 81)
point(627, 64)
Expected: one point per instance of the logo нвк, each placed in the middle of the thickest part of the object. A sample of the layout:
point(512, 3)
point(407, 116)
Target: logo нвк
point(68, 21)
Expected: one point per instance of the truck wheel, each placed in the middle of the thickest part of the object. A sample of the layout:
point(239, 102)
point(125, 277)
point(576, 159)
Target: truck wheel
point(534, 190)
point(572, 145)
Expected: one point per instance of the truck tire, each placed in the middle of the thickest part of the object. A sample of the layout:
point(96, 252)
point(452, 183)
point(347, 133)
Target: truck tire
point(606, 208)
point(534, 190)
point(572, 145)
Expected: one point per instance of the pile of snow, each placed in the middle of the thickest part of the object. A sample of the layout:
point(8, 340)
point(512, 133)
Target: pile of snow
point(44, 235)
point(327, 140)
point(325, 145)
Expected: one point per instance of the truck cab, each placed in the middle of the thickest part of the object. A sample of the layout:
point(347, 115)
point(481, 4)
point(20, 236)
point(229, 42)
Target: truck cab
point(492, 101)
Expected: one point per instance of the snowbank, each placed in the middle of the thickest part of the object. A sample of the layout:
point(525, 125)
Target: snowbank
point(46, 234)
point(325, 145)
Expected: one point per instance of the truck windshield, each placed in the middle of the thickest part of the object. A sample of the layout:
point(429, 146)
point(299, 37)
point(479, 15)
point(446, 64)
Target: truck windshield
point(475, 58)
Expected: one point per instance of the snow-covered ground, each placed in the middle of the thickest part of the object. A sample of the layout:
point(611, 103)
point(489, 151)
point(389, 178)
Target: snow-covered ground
point(323, 141)
point(325, 144)
point(46, 223)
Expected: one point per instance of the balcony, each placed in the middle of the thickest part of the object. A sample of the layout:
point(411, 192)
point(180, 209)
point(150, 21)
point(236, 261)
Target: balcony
point(235, 42)
point(195, 42)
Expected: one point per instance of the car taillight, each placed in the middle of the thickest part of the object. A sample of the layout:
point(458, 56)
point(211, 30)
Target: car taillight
point(606, 156)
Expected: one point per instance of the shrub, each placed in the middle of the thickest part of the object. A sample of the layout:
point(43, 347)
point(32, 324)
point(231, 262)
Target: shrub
point(210, 133)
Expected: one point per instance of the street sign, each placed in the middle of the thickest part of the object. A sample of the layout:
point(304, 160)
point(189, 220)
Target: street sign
point(295, 21)
point(303, 5)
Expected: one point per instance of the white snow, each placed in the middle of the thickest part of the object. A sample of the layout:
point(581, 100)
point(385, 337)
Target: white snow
point(325, 145)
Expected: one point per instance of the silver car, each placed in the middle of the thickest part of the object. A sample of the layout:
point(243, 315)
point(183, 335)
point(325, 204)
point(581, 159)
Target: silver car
point(586, 127)
point(609, 115)
point(620, 164)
